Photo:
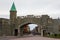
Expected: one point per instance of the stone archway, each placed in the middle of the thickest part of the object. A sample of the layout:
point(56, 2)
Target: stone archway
point(22, 31)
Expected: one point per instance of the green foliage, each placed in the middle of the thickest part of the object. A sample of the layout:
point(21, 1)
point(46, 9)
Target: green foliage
point(55, 36)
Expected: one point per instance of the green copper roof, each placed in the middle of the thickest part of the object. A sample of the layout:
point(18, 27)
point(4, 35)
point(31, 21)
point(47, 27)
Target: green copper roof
point(13, 8)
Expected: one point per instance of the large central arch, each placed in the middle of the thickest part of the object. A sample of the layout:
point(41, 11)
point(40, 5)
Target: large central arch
point(26, 23)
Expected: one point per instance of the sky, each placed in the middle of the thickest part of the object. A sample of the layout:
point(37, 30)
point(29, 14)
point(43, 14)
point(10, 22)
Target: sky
point(32, 26)
point(31, 7)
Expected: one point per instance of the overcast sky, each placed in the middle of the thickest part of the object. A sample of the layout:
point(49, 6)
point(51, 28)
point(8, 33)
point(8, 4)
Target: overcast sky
point(31, 7)
point(32, 26)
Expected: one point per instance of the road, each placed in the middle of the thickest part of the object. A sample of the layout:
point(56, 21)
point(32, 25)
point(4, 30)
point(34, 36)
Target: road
point(28, 38)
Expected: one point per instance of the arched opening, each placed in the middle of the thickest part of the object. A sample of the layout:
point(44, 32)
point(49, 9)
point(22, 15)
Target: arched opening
point(15, 32)
point(29, 28)
point(33, 29)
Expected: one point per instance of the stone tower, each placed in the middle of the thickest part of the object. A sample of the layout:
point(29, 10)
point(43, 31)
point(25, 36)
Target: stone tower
point(13, 12)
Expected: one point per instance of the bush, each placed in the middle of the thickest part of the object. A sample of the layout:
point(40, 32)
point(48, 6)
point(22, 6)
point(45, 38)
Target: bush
point(52, 35)
point(58, 35)
point(55, 36)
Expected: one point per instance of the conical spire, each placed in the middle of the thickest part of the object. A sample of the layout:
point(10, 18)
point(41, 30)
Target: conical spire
point(13, 8)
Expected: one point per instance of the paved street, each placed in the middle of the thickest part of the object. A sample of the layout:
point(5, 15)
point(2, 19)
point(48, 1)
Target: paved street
point(28, 38)
point(35, 38)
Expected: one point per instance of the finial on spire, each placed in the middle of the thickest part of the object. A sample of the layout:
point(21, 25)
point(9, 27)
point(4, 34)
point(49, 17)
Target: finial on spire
point(13, 8)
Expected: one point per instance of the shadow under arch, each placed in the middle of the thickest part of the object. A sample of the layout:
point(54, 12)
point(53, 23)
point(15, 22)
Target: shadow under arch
point(21, 27)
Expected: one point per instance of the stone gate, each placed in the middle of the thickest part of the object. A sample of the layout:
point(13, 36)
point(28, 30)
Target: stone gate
point(18, 22)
